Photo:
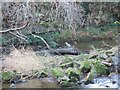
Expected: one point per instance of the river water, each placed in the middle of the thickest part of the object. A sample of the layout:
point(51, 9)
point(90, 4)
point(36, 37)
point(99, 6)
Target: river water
point(86, 45)
point(35, 83)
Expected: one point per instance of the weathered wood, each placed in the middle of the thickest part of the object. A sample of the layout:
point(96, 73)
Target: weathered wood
point(60, 51)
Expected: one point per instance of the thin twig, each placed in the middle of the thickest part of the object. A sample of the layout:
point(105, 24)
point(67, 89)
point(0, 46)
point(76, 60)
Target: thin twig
point(21, 34)
point(17, 36)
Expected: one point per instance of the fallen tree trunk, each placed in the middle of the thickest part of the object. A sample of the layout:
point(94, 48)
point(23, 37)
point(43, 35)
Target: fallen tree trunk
point(60, 51)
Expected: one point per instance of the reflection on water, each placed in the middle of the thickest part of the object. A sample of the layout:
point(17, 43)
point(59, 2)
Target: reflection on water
point(86, 45)
point(34, 83)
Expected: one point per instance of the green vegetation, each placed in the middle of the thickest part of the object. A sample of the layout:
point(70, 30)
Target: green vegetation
point(42, 73)
point(8, 75)
point(73, 72)
point(57, 72)
point(88, 33)
point(71, 69)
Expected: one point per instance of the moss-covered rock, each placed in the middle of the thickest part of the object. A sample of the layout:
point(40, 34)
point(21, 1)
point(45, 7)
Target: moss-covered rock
point(85, 66)
point(57, 72)
point(7, 75)
point(100, 68)
point(73, 72)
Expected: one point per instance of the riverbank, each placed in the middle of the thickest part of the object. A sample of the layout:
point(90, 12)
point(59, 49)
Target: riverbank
point(22, 65)
point(87, 33)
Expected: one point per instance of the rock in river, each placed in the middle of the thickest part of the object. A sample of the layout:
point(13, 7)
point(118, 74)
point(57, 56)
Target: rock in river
point(106, 82)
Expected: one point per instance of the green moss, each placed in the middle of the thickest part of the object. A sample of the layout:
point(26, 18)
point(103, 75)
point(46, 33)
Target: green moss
point(100, 68)
point(67, 59)
point(72, 72)
point(43, 73)
point(57, 72)
point(7, 75)
point(85, 65)
point(66, 65)
point(82, 57)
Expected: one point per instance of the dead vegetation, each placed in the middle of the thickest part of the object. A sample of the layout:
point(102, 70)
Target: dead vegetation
point(23, 61)
point(26, 61)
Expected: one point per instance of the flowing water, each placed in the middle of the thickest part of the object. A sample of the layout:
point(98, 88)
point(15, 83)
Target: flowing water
point(106, 82)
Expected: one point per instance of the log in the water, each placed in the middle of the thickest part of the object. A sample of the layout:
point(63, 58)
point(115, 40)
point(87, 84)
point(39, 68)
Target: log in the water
point(61, 51)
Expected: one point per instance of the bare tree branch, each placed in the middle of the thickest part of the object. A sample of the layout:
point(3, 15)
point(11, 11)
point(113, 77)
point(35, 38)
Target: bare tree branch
point(21, 34)
point(14, 29)
point(42, 40)
point(17, 36)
